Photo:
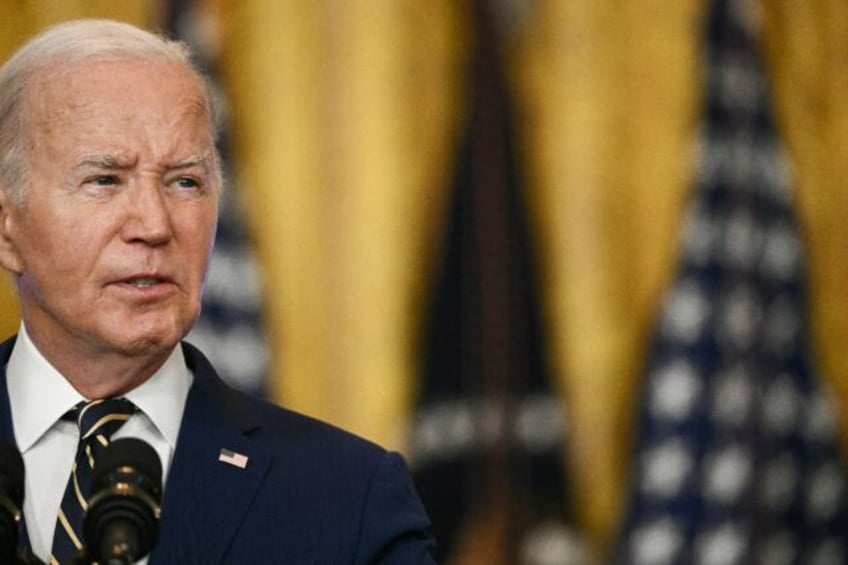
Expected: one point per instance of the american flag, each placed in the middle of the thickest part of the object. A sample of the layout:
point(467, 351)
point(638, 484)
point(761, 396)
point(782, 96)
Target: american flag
point(232, 458)
point(736, 457)
point(487, 441)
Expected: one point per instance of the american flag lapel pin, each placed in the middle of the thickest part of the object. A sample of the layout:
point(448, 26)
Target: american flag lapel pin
point(232, 458)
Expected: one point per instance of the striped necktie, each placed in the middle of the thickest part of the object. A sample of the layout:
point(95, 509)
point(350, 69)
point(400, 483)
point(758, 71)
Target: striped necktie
point(97, 421)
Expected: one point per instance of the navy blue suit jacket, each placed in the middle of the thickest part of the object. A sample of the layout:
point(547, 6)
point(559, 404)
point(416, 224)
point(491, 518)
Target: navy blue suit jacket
point(309, 493)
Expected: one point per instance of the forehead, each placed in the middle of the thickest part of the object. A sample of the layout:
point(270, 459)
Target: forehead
point(113, 94)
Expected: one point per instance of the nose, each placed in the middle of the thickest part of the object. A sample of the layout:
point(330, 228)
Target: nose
point(149, 218)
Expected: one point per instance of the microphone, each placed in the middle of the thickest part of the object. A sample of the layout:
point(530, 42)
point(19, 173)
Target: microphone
point(11, 500)
point(122, 522)
point(11, 507)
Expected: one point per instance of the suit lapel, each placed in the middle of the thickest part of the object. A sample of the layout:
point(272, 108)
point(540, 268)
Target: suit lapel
point(7, 434)
point(206, 498)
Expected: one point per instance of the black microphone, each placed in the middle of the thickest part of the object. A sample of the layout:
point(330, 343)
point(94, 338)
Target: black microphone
point(11, 507)
point(122, 522)
point(11, 499)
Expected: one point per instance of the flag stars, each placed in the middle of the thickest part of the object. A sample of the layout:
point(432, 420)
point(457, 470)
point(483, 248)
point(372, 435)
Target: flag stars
point(701, 237)
point(246, 355)
point(779, 549)
point(774, 170)
point(820, 419)
point(781, 253)
point(739, 315)
point(732, 396)
point(540, 423)
point(782, 326)
point(666, 468)
point(687, 312)
point(676, 389)
point(781, 406)
point(657, 543)
point(740, 240)
point(442, 431)
point(740, 173)
point(826, 492)
point(728, 472)
point(737, 85)
point(714, 158)
point(724, 545)
point(552, 543)
point(778, 483)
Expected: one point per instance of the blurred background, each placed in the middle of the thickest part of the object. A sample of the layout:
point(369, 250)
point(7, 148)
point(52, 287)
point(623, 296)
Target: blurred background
point(584, 262)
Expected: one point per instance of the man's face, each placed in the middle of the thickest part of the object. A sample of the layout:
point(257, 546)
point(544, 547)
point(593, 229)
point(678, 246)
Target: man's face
point(113, 240)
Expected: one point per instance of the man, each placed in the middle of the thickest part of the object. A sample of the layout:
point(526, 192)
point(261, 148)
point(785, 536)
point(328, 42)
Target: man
point(109, 189)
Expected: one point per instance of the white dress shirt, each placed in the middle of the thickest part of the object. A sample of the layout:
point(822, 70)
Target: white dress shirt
point(39, 395)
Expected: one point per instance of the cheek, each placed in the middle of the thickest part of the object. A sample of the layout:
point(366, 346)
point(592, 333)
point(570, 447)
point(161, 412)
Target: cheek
point(66, 244)
point(44, 241)
point(53, 270)
point(57, 266)
point(198, 235)
point(63, 255)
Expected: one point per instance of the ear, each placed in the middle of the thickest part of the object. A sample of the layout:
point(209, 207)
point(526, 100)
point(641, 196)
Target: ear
point(9, 218)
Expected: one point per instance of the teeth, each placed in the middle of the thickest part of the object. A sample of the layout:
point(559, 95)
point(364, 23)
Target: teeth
point(143, 283)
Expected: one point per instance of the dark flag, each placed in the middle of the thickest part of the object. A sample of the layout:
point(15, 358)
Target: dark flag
point(487, 437)
point(230, 329)
point(736, 458)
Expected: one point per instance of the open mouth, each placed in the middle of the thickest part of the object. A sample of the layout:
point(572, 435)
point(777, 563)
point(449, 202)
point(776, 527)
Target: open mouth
point(143, 282)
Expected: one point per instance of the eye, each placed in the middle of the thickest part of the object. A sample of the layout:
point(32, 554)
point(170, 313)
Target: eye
point(187, 182)
point(187, 185)
point(104, 180)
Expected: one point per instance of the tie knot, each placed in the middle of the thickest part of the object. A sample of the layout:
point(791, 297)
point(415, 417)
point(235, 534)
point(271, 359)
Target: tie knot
point(102, 417)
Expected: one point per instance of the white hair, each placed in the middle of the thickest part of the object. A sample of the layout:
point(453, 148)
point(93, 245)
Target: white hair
point(66, 44)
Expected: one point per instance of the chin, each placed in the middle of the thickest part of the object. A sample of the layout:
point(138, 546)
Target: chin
point(148, 345)
point(147, 333)
point(144, 341)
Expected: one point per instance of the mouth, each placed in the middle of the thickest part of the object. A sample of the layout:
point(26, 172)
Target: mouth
point(144, 281)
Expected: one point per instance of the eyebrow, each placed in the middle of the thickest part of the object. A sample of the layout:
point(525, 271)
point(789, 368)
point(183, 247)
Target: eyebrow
point(103, 161)
point(201, 159)
point(109, 161)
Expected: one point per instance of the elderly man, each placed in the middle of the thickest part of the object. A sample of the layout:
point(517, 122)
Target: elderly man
point(109, 190)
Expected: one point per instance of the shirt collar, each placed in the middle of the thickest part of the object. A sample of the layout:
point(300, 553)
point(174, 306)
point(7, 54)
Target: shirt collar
point(161, 398)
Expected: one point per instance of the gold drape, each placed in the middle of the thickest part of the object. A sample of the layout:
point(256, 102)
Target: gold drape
point(344, 113)
point(336, 126)
point(611, 92)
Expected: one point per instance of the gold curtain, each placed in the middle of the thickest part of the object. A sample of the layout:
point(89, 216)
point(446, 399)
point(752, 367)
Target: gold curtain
point(611, 91)
point(344, 116)
point(340, 127)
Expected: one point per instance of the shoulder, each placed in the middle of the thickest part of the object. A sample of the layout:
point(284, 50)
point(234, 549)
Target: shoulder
point(282, 431)
point(356, 497)
point(324, 492)
point(298, 433)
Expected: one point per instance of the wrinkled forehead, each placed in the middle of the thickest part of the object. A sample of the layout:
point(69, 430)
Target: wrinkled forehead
point(109, 87)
